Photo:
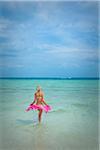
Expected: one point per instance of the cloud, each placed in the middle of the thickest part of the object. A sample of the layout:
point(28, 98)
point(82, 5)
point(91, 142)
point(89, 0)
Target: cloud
point(11, 65)
point(53, 34)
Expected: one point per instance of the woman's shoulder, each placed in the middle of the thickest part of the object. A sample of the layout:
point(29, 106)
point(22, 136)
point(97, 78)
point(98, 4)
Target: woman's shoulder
point(35, 93)
point(40, 93)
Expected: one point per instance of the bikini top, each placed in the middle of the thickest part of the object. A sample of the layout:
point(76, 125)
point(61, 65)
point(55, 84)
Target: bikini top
point(38, 96)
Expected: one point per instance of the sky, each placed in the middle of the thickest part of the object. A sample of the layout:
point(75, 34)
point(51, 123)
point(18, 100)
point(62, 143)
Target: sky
point(49, 39)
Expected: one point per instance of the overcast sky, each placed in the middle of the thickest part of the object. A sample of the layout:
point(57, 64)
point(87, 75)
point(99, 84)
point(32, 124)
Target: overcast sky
point(49, 39)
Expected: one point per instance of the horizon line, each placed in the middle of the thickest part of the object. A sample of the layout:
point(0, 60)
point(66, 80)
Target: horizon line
point(50, 78)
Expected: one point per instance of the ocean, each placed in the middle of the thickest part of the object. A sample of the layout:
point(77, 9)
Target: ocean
point(72, 124)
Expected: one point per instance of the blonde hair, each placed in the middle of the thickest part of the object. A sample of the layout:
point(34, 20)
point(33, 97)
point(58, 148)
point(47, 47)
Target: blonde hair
point(38, 88)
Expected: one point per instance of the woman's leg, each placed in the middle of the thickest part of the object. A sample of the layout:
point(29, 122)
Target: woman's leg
point(40, 115)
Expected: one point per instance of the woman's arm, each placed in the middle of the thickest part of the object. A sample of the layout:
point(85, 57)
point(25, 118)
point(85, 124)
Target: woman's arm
point(43, 99)
point(34, 99)
point(44, 102)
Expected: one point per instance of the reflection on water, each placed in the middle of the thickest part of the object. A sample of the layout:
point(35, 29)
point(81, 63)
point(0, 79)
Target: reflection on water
point(24, 122)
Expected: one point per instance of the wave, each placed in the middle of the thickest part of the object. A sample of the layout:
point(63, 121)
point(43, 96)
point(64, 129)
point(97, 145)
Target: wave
point(80, 105)
point(59, 110)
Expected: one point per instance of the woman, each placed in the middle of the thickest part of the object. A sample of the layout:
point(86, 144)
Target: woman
point(38, 103)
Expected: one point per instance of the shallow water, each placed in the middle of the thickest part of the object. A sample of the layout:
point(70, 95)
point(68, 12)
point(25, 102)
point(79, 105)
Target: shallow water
point(71, 125)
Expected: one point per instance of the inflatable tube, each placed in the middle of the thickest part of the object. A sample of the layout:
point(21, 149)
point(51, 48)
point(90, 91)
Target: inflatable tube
point(46, 108)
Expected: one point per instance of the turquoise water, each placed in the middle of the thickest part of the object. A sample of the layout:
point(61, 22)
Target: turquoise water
point(71, 125)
